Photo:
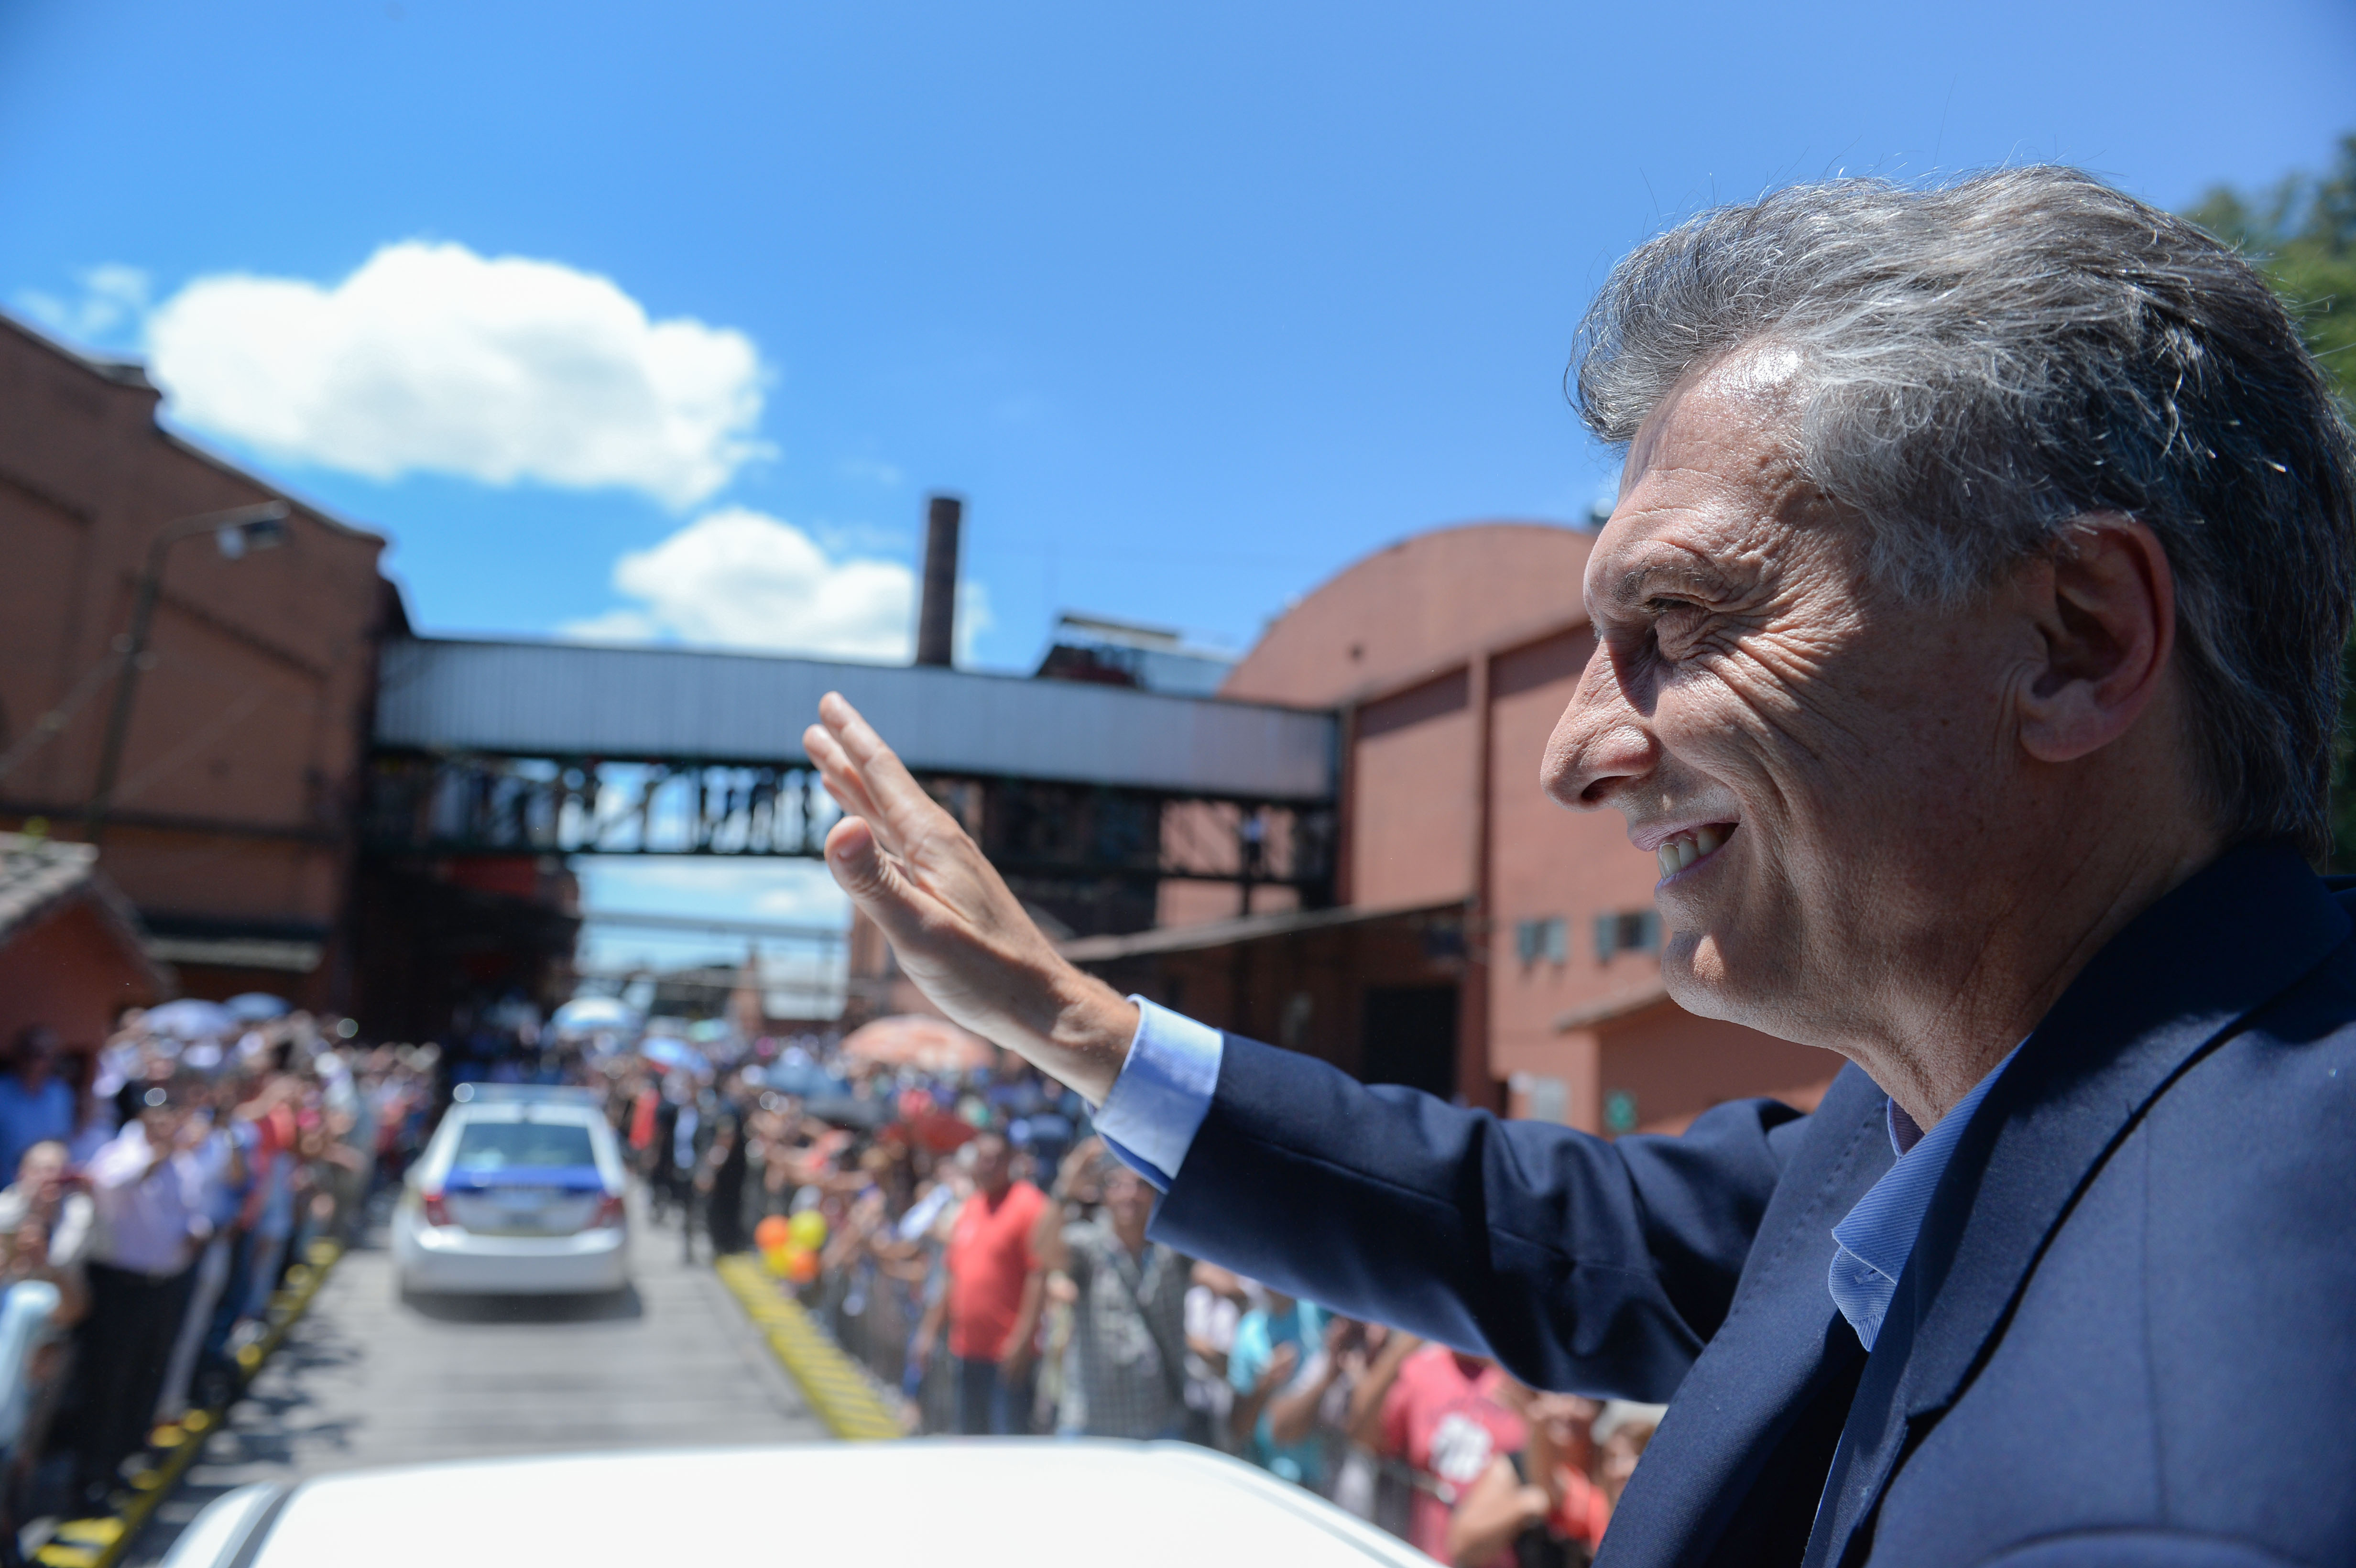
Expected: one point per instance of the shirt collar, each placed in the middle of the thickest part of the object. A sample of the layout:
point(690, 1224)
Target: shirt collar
point(1904, 1131)
point(1875, 1239)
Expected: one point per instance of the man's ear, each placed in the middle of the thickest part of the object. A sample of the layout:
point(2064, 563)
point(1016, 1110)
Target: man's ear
point(2105, 607)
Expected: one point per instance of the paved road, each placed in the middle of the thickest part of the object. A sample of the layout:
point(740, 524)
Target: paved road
point(365, 1380)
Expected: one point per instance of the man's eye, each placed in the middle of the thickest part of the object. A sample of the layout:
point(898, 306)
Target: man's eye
point(1676, 624)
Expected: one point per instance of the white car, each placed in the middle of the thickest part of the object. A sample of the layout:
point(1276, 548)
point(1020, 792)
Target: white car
point(521, 1191)
point(1024, 1503)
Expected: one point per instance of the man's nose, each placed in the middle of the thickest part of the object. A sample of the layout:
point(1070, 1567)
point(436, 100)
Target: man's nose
point(1602, 742)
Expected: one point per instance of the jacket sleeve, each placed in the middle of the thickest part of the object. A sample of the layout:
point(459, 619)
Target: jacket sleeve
point(1581, 1264)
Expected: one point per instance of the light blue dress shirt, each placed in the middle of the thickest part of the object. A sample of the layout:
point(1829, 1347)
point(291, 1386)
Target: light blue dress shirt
point(1158, 1103)
point(1876, 1236)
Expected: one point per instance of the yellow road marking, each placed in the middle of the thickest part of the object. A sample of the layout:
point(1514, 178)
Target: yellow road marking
point(98, 1543)
point(838, 1389)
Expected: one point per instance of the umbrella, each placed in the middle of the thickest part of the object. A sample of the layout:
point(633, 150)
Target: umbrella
point(846, 1112)
point(938, 1130)
point(806, 1079)
point(666, 1051)
point(258, 1007)
point(930, 1045)
point(592, 1015)
point(189, 1018)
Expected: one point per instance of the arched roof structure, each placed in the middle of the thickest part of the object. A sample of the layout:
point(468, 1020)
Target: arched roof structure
point(1411, 608)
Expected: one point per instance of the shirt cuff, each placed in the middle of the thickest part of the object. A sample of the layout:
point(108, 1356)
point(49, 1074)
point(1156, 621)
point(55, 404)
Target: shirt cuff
point(1158, 1103)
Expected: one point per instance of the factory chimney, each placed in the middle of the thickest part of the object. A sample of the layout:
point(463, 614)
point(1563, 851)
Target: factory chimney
point(937, 616)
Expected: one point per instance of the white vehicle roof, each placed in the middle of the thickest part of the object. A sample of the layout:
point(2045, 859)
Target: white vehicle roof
point(521, 1094)
point(1023, 1503)
point(551, 1111)
point(435, 1165)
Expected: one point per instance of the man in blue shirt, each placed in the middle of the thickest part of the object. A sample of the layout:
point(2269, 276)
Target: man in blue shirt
point(1275, 1343)
point(1967, 642)
point(35, 1105)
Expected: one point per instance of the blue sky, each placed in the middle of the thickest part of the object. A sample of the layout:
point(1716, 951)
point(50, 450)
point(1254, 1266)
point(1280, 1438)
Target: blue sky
point(1195, 304)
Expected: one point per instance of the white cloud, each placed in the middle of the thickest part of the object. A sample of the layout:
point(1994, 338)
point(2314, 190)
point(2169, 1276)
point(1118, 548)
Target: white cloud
point(811, 899)
point(751, 888)
point(113, 300)
point(796, 892)
point(432, 359)
point(873, 471)
point(615, 626)
point(738, 577)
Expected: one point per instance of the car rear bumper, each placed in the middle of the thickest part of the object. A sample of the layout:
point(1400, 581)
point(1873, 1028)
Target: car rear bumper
point(446, 1258)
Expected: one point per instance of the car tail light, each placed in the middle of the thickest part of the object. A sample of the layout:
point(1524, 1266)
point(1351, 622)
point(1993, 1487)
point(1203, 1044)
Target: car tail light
point(437, 1212)
point(609, 1214)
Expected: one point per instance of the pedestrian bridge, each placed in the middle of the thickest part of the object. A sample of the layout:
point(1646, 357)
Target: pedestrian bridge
point(508, 747)
point(557, 699)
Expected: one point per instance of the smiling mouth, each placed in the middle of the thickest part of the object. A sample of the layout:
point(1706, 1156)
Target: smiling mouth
point(1693, 845)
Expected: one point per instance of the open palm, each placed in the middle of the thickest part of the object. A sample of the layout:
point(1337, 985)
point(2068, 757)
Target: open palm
point(957, 929)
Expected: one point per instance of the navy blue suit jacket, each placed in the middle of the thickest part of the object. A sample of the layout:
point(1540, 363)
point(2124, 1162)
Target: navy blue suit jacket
point(2126, 1334)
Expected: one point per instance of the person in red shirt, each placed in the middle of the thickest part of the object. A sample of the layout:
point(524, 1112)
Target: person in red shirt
point(642, 1121)
point(1440, 1414)
point(1463, 1428)
point(1545, 1502)
point(992, 1304)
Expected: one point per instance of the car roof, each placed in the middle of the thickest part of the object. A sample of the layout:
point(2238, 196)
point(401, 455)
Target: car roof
point(553, 1112)
point(524, 1094)
point(1039, 1504)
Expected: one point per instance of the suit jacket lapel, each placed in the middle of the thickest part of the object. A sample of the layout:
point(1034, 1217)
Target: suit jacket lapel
point(1765, 1360)
point(2179, 978)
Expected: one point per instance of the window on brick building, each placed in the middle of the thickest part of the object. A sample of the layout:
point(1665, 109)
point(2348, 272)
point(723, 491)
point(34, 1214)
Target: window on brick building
point(1547, 938)
point(1626, 931)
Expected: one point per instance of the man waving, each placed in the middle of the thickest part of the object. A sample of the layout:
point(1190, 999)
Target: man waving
point(1968, 636)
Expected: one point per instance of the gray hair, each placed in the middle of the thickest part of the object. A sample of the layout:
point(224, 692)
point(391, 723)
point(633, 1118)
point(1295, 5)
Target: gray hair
point(1980, 364)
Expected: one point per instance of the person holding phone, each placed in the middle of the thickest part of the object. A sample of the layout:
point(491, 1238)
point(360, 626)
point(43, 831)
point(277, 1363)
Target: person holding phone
point(1125, 1369)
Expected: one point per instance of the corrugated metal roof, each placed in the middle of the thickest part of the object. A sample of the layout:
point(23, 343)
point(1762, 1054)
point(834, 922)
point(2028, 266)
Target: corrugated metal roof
point(559, 700)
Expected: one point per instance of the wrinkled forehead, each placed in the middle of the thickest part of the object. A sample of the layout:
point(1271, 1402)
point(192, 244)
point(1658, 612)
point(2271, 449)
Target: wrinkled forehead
point(1709, 494)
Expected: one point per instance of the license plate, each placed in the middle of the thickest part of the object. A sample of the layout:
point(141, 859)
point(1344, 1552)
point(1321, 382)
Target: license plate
point(517, 1201)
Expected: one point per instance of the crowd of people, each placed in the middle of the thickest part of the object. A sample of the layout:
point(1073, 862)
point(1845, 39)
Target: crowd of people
point(161, 1185)
point(985, 1255)
point(977, 1246)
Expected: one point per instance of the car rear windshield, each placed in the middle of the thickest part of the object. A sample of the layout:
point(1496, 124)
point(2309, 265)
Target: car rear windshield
point(504, 1145)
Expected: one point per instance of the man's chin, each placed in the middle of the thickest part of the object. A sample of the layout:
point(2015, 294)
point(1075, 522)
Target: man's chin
point(1759, 996)
point(1694, 973)
point(1702, 1001)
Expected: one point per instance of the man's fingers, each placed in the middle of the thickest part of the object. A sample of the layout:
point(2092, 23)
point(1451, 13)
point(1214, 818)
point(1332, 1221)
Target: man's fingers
point(855, 858)
point(861, 870)
point(888, 784)
point(836, 773)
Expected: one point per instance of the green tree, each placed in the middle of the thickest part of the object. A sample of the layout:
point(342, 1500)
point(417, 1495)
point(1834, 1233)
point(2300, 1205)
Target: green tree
point(2302, 233)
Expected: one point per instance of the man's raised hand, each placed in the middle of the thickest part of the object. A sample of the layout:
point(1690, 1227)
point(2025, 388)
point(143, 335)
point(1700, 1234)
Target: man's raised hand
point(959, 932)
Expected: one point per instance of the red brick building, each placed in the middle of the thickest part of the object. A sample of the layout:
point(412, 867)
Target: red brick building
point(1483, 939)
point(233, 828)
point(70, 950)
point(232, 824)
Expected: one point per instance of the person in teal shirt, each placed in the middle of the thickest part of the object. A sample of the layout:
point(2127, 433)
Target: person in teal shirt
point(1276, 1360)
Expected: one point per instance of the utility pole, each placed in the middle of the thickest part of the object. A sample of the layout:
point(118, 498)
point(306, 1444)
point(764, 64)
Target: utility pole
point(237, 530)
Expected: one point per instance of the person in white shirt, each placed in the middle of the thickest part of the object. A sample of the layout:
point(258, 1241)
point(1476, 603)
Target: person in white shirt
point(221, 1180)
point(148, 1188)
